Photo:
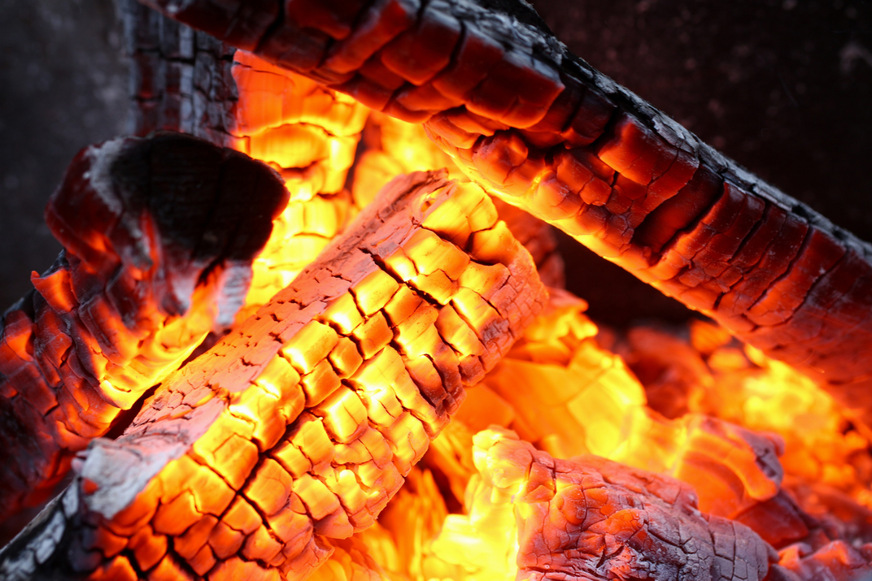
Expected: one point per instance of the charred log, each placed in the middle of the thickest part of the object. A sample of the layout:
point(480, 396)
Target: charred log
point(554, 136)
point(159, 237)
point(589, 518)
point(299, 427)
point(180, 78)
point(187, 81)
point(836, 561)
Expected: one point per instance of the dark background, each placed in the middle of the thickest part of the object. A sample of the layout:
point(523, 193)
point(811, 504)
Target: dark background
point(782, 86)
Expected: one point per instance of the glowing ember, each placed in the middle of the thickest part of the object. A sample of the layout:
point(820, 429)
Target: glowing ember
point(309, 134)
point(299, 427)
point(313, 440)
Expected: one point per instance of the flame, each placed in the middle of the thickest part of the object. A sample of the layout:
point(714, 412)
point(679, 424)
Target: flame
point(650, 400)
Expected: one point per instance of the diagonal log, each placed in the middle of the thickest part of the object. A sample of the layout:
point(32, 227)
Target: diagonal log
point(548, 133)
point(184, 80)
point(299, 426)
point(158, 252)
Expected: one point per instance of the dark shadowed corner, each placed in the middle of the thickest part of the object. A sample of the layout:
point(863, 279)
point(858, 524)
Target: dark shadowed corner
point(64, 85)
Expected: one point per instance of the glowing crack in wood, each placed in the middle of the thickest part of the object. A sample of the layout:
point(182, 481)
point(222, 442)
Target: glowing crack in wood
point(548, 133)
point(300, 425)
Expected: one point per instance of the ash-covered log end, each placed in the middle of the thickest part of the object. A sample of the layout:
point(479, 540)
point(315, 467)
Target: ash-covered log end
point(211, 202)
point(165, 201)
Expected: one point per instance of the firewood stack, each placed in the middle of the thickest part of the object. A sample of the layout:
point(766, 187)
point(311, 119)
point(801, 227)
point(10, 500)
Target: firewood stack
point(344, 344)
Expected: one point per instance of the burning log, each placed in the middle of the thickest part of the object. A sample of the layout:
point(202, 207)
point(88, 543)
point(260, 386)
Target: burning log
point(552, 135)
point(298, 427)
point(183, 80)
point(309, 134)
point(395, 147)
point(163, 258)
point(589, 518)
point(284, 442)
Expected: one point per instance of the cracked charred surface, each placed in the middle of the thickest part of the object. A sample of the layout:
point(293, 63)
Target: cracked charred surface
point(186, 81)
point(589, 518)
point(298, 427)
point(180, 77)
point(161, 257)
point(548, 133)
point(394, 147)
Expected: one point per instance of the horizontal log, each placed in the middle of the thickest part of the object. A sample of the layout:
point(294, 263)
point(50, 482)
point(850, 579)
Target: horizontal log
point(159, 235)
point(552, 135)
point(589, 518)
point(299, 426)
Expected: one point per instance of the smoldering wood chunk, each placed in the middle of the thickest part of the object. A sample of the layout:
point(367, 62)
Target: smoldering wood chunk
point(834, 561)
point(557, 373)
point(590, 518)
point(180, 78)
point(159, 235)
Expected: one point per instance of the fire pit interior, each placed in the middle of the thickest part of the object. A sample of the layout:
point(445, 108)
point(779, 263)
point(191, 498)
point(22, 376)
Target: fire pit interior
point(353, 356)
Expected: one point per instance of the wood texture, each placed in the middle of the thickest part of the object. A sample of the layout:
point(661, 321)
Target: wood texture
point(589, 518)
point(299, 426)
point(180, 78)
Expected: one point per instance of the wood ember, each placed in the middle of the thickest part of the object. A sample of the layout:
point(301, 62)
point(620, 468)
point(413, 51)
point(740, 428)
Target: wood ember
point(396, 147)
point(836, 561)
point(566, 394)
point(522, 115)
point(825, 459)
point(158, 249)
point(310, 135)
point(589, 518)
point(180, 78)
point(350, 561)
point(298, 427)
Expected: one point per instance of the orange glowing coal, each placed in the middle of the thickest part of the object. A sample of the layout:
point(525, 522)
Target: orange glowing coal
point(401, 398)
point(753, 440)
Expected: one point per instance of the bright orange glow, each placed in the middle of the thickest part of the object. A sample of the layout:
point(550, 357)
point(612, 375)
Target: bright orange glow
point(309, 134)
point(562, 391)
point(314, 442)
